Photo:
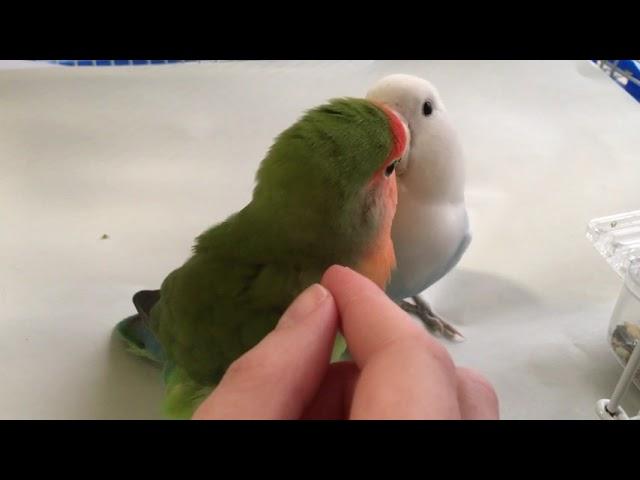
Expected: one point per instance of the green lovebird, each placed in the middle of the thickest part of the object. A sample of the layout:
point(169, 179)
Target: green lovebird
point(325, 194)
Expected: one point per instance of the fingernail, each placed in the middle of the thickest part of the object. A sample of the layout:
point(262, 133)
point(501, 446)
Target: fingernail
point(305, 304)
point(340, 267)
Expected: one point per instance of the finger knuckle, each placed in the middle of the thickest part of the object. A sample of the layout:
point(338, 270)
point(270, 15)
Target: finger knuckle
point(480, 382)
point(440, 356)
point(422, 343)
point(246, 366)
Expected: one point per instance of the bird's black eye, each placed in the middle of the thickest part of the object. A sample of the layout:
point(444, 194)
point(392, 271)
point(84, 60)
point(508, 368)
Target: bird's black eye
point(427, 108)
point(389, 170)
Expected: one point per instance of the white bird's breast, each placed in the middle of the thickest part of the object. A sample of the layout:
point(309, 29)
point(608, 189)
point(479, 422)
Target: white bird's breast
point(426, 238)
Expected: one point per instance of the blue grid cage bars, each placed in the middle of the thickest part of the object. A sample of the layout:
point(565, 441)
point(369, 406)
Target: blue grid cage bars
point(625, 72)
point(115, 63)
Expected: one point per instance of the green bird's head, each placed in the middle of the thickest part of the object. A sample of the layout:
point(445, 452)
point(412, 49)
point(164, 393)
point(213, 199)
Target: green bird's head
point(328, 186)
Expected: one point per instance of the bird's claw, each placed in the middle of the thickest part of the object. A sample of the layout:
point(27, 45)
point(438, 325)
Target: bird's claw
point(431, 320)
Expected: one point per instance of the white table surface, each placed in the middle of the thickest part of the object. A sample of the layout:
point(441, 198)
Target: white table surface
point(151, 156)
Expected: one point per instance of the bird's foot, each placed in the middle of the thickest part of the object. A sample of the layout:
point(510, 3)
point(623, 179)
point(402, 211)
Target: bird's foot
point(431, 320)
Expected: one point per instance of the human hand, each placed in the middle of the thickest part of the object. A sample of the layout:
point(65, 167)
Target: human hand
point(399, 371)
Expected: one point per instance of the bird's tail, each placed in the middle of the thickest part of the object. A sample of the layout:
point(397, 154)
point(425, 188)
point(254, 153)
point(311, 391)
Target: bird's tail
point(135, 330)
point(183, 395)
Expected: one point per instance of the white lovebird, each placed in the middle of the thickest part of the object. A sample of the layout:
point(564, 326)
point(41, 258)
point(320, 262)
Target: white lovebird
point(431, 228)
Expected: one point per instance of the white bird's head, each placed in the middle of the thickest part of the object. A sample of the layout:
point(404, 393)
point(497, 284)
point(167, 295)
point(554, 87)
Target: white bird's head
point(433, 165)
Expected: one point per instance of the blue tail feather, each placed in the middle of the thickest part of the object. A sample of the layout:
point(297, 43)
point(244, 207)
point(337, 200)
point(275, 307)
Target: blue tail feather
point(140, 339)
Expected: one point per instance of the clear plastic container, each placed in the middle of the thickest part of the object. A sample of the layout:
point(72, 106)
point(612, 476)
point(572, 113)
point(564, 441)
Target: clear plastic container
point(624, 327)
point(617, 238)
